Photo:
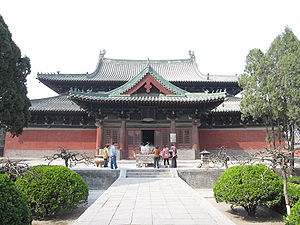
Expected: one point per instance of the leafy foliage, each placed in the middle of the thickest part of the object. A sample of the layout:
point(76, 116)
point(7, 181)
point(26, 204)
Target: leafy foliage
point(271, 87)
point(13, 204)
point(271, 93)
point(294, 217)
point(293, 192)
point(249, 186)
point(52, 190)
point(295, 180)
point(14, 104)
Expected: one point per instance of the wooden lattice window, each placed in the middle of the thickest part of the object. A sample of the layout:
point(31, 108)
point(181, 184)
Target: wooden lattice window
point(134, 137)
point(165, 137)
point(180, 137)
point(184, 137)
point(162, 137)
point(187, 137)
point(111, 135)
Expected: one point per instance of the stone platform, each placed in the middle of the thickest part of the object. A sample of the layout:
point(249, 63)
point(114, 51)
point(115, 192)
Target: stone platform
point(151, 201)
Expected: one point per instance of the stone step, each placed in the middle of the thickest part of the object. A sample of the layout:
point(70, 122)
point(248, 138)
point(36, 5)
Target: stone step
point(148, 170)
point(148, 176)
point(149, 173)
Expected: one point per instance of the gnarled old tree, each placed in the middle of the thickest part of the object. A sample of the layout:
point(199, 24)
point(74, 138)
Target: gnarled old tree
point(69, 157)
point(271, 89)
point(14, 104)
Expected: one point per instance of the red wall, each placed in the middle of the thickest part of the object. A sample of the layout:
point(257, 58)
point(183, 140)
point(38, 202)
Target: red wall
point(52, 139)
point(245, 139)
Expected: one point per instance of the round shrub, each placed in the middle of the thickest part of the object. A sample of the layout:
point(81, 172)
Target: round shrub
point(52, 190)
point(249, 186)
point(294, 217)
point(13, 204)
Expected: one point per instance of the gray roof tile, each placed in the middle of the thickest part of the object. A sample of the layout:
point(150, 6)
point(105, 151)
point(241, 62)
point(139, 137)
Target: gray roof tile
point(178, 70)
point(59, 103)
point(231, 104)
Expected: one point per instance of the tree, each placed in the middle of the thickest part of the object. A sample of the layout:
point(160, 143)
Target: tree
point(70, 158)
point(271, 88)
point(271, 85)
point(14, 104)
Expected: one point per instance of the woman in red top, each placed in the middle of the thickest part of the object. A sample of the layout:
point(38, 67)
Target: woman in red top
point(165, 155)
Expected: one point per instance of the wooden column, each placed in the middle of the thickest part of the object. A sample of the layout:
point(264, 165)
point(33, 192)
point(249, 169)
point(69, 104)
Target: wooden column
point(173, 126)
point(195, 134)
point(172, 115)
point(173, 131)
point(123, 134)
point(99, 135)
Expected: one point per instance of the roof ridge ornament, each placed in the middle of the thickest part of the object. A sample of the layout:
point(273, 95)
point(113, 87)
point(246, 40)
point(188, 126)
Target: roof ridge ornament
point(192, 55)
point(102, 53)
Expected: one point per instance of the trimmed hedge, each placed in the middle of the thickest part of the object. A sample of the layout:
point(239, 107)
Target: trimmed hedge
point(293, 192)
point(249, 186)
point(295, 180)
point(294, 217)
point(13, 204)
point(52, 190)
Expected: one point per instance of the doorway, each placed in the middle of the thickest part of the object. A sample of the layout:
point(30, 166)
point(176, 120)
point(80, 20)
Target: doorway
point(148, 137)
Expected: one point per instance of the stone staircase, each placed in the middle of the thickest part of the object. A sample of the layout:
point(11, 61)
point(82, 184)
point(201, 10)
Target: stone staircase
point(149, 173)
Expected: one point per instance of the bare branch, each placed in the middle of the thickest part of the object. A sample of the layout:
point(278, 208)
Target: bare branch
point(70, 158)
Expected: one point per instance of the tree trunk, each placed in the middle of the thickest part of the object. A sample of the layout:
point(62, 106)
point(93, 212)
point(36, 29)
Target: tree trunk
point(286, 197)
point(292, 149)
point(251, 209)
point(66, 162)
point(273, 137)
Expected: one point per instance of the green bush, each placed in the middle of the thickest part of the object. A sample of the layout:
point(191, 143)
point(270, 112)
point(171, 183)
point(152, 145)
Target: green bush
point(249, 186)
point(293, 192)
point(52, 190)
point(295, 180)
point(294, 217)
point(13, 204)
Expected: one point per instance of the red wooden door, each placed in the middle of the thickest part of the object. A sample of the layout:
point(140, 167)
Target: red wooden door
point(134, 139)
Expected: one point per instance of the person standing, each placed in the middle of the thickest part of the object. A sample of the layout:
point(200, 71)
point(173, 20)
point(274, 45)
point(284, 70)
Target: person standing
point(156, 152)
point(105, 155)
point(165, 155)
point(113, 156)
point(174, 156)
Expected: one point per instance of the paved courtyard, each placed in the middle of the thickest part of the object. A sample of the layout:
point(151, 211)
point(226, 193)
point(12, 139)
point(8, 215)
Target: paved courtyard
point(151, 201)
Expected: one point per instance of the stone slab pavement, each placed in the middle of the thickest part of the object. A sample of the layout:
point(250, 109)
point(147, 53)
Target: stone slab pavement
point(163, 201)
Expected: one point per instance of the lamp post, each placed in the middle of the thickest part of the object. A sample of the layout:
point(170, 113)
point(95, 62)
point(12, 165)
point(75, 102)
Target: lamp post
point(204, 159)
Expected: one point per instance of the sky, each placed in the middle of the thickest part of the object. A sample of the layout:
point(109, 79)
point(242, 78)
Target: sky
point(67, 35)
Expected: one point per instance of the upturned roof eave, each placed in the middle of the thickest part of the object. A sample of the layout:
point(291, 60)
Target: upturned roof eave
point(41, 79)
point(194, 73)
point(165, 100)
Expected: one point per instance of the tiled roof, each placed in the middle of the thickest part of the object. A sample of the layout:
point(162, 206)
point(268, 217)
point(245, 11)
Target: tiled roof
point(117, 95)
point(179, 70)
point(186, 98)
point(59, 103)
point(148, 70)
point(231, 104)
